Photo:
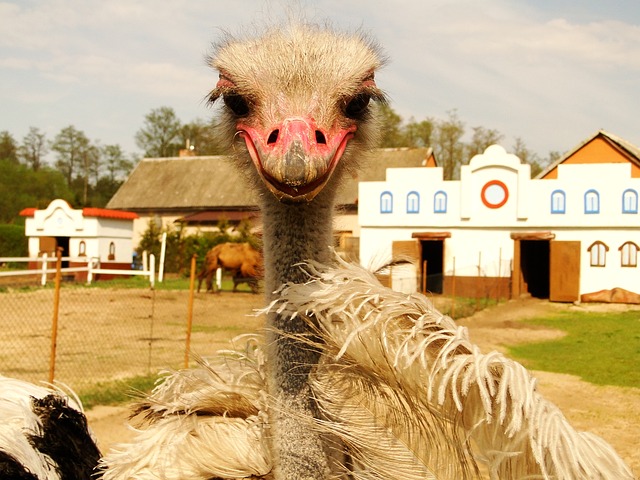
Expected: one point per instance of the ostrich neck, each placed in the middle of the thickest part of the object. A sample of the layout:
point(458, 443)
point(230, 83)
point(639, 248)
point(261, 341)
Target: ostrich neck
point(294, 233)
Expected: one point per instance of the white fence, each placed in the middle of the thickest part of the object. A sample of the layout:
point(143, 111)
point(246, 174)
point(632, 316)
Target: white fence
point(91, 267)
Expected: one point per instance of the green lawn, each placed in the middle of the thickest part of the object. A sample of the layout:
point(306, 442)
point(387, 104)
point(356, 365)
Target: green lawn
point(601, 348)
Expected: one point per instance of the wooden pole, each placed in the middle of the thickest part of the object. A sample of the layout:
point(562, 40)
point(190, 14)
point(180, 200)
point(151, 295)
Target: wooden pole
point(192, 282)
point(54, 323)
point(453, 290)
point(424, 277)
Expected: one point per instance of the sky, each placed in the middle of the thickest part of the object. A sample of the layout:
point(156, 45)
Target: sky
point(550, 72)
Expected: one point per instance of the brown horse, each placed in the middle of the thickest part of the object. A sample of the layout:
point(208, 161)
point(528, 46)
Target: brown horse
point(240, 259)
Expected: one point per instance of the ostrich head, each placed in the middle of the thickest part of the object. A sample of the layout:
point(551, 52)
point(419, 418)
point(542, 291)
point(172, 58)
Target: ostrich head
point(297, 105)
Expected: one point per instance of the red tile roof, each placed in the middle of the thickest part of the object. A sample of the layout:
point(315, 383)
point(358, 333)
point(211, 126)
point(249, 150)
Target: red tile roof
point(91, 212)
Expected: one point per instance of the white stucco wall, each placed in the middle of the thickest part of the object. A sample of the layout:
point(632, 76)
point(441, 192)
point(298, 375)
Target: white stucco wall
point(480, 240)
point(60, 220)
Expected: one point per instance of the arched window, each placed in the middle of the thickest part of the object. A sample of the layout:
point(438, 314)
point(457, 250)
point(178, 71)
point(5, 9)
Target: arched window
point(82, 249)
point(440, 202)
point(629, 201)
point(413, 202)
point(558, 198)
point(386, 202)
point(112, 251)
point(591, 202)
point(598, 254)
point(629, 254)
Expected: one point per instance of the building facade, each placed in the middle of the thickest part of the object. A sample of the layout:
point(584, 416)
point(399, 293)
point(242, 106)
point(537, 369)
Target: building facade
point(570, 233)
point(82, 234)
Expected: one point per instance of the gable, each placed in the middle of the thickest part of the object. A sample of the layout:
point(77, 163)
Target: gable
point(601, 148)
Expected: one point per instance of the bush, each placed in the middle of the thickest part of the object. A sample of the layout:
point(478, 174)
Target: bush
point(13, 242)
point(181, 247)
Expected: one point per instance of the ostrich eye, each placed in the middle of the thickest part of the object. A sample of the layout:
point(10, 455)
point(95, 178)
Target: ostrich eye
point(237, 104)
point(357, 106)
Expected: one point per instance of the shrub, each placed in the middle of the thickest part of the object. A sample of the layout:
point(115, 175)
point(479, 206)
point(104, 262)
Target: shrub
point(13, 242)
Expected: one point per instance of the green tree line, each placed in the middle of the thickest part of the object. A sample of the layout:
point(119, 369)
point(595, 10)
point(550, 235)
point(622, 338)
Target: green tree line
point(85, 173)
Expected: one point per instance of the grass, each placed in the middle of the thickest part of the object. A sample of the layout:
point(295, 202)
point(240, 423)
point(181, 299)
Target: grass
point(600, 348)
point(465, 307)
point(116, 392)
point(170, 282)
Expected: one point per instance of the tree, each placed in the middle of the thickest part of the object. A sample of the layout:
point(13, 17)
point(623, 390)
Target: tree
point(33, 148)
point(89, 166)
point(201, 137)
point(115, 163)
point(527, 156)
point(418, 134)
point(391, 122)
point(8, 147)
point(448, 146)
point(24, 187)
point(71, 147)
point(159, 136)
point(481, 139)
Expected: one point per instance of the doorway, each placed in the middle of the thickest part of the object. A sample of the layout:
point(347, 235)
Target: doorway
point(534, 265)
point(432, 265)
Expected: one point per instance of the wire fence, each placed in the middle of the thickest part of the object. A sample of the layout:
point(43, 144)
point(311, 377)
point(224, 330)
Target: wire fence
point(82, 336)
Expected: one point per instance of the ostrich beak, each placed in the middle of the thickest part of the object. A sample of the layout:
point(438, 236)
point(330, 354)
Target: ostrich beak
point(296, 158)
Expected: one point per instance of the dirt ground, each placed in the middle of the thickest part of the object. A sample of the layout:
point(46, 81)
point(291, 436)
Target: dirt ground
point(611, 412)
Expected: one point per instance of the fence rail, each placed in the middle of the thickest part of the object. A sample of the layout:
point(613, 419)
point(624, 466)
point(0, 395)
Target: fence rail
point(91, 268)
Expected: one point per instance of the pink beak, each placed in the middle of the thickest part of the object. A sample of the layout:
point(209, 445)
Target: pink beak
point(296, 158)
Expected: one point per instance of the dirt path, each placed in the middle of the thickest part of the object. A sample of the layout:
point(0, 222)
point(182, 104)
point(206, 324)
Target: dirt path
point(611, 412)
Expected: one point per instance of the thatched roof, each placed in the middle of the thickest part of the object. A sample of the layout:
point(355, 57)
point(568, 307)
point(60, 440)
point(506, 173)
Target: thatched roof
point(212, 183)
point(183, 183)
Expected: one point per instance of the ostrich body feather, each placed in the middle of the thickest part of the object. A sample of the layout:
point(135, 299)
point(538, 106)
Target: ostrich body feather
point(43, 433)
point(400, 386)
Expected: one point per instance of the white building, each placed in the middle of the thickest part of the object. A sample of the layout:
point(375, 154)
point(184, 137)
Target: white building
point(82, 234)
point(497, 232)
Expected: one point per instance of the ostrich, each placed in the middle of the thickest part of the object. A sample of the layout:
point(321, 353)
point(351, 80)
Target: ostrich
point(351, 380)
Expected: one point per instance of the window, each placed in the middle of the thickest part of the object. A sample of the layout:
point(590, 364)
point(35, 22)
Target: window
point(440, 202)
point(629, 254)
point(598, 254)
point(591, 202)
point(629, 201)
point(112, 251)
point(558, 198)
point(82, 249)
point(386, 202)
point(413, 202)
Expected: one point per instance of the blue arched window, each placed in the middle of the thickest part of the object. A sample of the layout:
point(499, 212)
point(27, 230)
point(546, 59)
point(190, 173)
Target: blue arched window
point(440, 202)
point(591, 202)
point(413, 202)
point(629, 201)
point(386, 202)
point(558, 201)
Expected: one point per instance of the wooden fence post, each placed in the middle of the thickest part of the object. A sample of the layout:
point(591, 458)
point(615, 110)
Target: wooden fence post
point(192, 282)
point(453, 290)
point(54, 323)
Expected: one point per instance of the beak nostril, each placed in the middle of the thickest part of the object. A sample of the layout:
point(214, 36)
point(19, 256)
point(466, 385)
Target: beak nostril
point(273, 137)
point(320, 138)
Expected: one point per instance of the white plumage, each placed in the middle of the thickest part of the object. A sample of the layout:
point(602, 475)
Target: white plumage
point(399, 385)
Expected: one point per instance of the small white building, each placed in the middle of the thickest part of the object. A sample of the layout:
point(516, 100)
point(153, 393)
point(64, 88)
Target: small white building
point(81, 233)
point(571, 232)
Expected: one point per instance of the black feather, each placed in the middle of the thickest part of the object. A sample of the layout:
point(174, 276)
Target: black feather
point(65, 438)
